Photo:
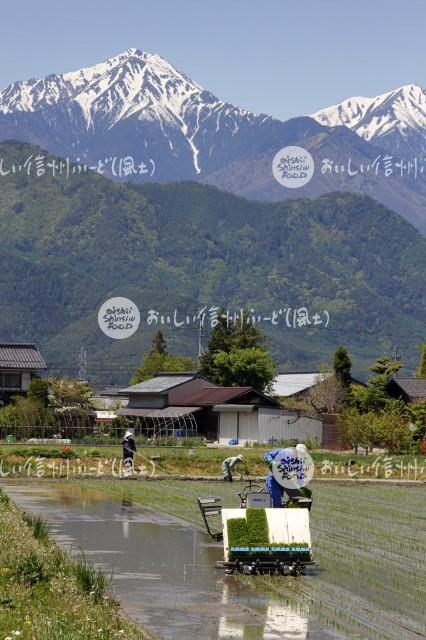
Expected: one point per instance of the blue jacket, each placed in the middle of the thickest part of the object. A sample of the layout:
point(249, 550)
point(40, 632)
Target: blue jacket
point(289, 461)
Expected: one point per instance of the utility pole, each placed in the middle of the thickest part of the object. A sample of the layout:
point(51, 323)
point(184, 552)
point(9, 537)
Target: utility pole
point(395, 356)
point(201, 315)
point(82, 364)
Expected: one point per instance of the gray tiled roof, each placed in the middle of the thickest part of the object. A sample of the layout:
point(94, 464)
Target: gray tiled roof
point(158, 384)
point(413, 387)
point(15, 355)
point(287, 384)
point(168, 412)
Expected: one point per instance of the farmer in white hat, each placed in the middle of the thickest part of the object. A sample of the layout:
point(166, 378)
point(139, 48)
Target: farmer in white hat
point(228, 466)
point(129, 448)
point(290, 458)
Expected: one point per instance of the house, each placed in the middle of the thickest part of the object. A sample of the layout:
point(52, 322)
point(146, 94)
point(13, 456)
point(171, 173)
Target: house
point(19, 364)
point(296, 384)
point(155, 405)
point(408, 389)
point(184, 404)
point(107, 398)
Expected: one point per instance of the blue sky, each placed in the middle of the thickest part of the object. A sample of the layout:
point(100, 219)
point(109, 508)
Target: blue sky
point(282, 57)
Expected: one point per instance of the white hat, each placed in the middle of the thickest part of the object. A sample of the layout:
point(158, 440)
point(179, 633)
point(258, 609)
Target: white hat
point(301, 449)
point(240, 456)
point(128, 433)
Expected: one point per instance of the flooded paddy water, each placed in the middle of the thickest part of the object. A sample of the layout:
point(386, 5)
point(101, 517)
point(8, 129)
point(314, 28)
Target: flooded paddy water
point(163, 570)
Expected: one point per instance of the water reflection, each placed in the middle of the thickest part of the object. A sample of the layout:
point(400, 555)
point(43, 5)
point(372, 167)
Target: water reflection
point(126, 510)
point(163, 572)
point(274, 622)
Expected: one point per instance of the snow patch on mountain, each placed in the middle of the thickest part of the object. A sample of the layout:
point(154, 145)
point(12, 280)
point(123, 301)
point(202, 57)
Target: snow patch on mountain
point(400, 112)
point(132, 83)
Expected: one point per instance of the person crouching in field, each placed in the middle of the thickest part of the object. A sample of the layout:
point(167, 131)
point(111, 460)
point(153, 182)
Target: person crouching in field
point(229, 465)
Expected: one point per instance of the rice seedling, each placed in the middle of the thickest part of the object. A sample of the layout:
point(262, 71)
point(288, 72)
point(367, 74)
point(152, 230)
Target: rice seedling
point(369, 540)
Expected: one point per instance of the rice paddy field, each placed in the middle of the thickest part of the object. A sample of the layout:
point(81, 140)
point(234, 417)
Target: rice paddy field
point(369, 541)
point(44, 595)
point(21, 460)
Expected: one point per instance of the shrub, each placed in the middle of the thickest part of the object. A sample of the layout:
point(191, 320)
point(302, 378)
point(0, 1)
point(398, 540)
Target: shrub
point(90, 580)
point(67, 453)
point(4, 498)
point(393, 433)
point(31, 571)
point(193, 442)
point(92, 453)
point(38, 526)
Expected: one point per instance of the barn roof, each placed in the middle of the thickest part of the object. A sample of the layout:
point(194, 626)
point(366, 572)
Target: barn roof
point(19, 355)
point(159, 383)
point(288, 384)
point(216, 395)
point(412, 387)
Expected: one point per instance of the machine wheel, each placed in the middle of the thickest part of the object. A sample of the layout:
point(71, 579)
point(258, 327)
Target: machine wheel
point(296, 570)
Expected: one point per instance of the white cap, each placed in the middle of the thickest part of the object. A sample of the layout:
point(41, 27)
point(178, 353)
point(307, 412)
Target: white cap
point(128, 433)
point(240, 456)
point(301, 449)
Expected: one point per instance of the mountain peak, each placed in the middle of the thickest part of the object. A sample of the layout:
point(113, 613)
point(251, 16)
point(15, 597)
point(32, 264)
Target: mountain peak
point(133, 51)
point(400, 113)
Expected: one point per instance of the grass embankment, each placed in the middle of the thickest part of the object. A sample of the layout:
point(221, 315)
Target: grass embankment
point(44, 595)
point(369, 540)
point(103, 461)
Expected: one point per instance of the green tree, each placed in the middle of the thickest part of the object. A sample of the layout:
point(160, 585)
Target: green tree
point(372, 398)
point(352, 424)
point(342, 366)
point(251, 367)
point(229, 335)
point(393, 433)
point(66, 393)
point(386, 367)
point(417, 415)
point(421, 369)
point(159, 343)
point(155, 363)
point(220, 339)
point(375, 397)
point(328, 393)
point(246, 334)
point(39, 391)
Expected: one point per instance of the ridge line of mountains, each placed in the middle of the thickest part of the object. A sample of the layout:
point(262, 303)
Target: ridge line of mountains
point(67, 245)
point(139, 105)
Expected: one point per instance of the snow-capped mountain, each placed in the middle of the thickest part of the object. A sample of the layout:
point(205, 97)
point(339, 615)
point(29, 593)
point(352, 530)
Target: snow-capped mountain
point(138, 106)
point(395, 120)
point(135, 91)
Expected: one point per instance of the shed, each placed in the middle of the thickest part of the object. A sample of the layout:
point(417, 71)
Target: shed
point(408, 389)
point(19, 364)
